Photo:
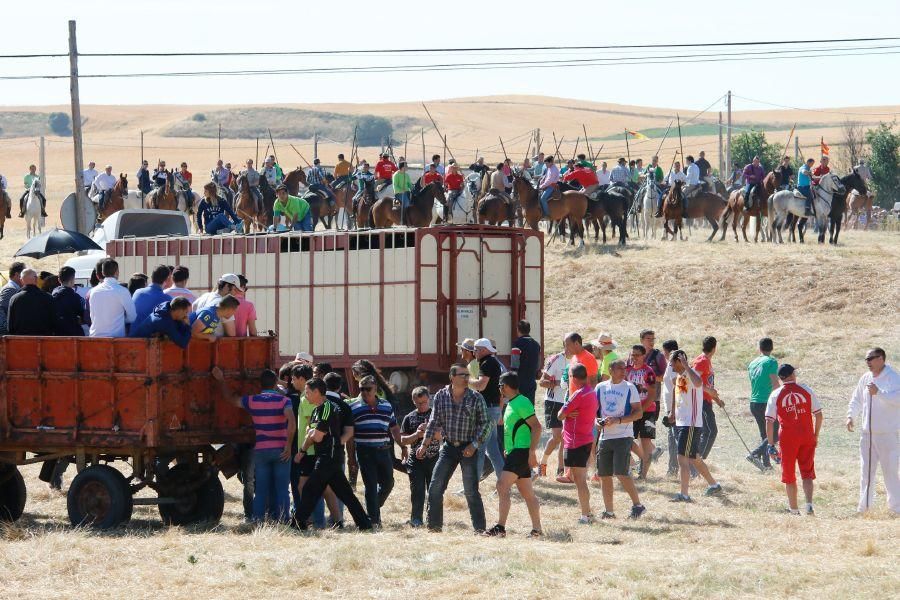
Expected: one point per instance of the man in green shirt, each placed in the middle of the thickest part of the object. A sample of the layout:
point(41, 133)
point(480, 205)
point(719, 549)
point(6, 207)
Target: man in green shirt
point(521, 435)
point(605, 351)
point(402, 188)
point(295, 210)
point(29, 179)
point(655, 170)
point(763, 373)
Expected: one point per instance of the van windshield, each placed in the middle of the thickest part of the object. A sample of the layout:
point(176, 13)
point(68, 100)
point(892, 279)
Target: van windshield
point(148, 225)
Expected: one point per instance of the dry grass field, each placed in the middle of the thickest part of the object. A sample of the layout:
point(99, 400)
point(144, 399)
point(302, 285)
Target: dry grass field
point(823, 306)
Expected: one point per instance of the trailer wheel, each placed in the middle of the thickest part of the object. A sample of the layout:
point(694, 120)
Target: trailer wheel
point(202, 505)
point(99, 497)
point(12, 494)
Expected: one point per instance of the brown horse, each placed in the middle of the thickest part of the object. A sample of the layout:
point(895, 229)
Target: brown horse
point(606, 205)
point(247, 208)
point(163, 199)
point(856, 203)
point(5, 205)
point(704, 204)
point(116, 199)
point(760, 208)
point(364, 205)
point(569, 205)
point(419, 213)
point(494, 209)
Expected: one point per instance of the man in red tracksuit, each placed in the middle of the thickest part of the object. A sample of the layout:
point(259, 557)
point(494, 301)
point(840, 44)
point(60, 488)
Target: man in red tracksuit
point(796, 408)
point(584, 176)
point(384, 171)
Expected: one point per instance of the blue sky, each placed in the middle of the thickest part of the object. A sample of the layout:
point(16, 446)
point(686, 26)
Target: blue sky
point(169, 26)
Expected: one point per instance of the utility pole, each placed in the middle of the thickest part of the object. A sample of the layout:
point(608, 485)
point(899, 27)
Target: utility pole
point(220, 142)
point(728, 136)
point(721, 156)
point(142, 146)
point(42, 171)
point(77, 140)
point(315, 146)
point(797, 149)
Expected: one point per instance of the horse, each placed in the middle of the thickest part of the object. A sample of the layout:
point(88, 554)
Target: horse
point(419, 213)
point(494, 209)
point(647, 200)
point(569, 205)
point(856, 202)
point(163, 198)
point(364, 205)
point(34, 222)
point(247, 207)
point(789, 206)
point(116, 200)
point(268, 200)
point(186, 204)
point(851, 181)
point(760, 208)
point(606, 205)
point(5, 205)
point(704, 204)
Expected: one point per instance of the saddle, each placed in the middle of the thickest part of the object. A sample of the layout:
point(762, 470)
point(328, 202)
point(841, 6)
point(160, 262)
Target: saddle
point(313, 194)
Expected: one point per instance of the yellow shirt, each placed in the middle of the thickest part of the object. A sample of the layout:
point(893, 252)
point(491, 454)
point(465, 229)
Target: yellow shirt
point(342, 169)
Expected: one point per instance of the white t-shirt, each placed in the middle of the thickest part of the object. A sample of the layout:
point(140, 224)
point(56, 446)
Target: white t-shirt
point(668, 384)
point(617, 400)
point(676, 176)
point(688, 402)
point(554, 367)
point(603, 176)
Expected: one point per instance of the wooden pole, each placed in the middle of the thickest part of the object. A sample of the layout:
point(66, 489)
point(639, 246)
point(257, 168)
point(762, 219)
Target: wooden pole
point(220, 142)
point(587, 142)
point(721, 155)
point(300, 155)
point(440, 135)
point(77, 140)
point(680, 147)
point(405, 143)
point(665, 136)
point(786, 146)
point(558, 144)
point(575, 151)
point(728, 162)
point(797, 149)
point(42, 171)
point(424, 161)
point(256, 162)
point(627, 147)
point(444, 157)
point(315, 145)
point(274, 152)
point(505, 155)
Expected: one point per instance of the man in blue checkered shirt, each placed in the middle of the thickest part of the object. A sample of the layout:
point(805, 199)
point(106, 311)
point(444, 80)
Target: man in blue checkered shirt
point(315, 179)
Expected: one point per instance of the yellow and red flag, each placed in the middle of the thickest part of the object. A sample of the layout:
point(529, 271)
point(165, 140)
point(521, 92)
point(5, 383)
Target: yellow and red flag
point(636, 134)
point(824, 146)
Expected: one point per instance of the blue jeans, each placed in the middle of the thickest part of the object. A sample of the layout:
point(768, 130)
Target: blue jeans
point(376, 465)
point(404, 199)
point(318, 187)
point(273, 479)
point(545, 197)
point(420, 474)
point(448, 459)
point(304, 224)
point(492, 446)
point(220, 221)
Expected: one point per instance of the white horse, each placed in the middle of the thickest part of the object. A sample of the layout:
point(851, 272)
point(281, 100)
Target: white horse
point(181, 194)
point(792, 202)
point(34, 222)
point(649, 199)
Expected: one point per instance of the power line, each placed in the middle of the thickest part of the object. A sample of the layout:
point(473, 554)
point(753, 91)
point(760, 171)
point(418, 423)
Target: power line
point(818, 110)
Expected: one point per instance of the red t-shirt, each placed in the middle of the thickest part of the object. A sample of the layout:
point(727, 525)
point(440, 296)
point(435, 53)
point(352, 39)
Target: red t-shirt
point(590, 363)
point(385, 169)
point(818, 172)
point(431, 177)
point(188, 176)
point(454, 181)
point(643, 379)
point(794, 405)
point(703, 365)
point(586, 177)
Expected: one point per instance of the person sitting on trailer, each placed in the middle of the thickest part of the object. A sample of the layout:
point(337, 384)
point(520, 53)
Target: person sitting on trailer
point(295, 210)
point(205, 321)
point(214, 211)
point(168, 319)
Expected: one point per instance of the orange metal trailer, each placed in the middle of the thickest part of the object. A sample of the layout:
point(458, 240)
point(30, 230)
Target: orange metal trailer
point(94, 401)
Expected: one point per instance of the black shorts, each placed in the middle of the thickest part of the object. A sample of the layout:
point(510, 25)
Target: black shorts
point(645, 427)
point(551, 414)
point(614, 457)
point(307, 463)
point(688, 440)
point(517, 462)
point(577, 457)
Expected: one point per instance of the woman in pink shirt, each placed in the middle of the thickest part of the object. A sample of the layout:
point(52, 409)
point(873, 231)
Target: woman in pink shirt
point(578, 416)
point(245, 315)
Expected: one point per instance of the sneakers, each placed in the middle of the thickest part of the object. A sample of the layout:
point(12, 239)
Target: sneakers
point(586, 520)
point(809, 510)
point(595, 479)
point(656, 454)
point(681, 498)
point(535, 533)
point(496, 531)
point(756, 462)
point(565, 477)
point(713, 490)
point(793, 511)
point(636, 511)
point(607, 515)
point(542, 470)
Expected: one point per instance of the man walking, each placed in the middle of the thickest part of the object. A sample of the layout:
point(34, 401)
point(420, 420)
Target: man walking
point(522, 434)
point(668, 385)
point(794, 406)
point(488, 384)
point(703, 366)
point(273, 420)
point(577, 415)
point(876, 401)
point(554, 398)
point(763, 379)
point(420, 470)
point(526, 360)
point(462, 416)
point(374, 426)
point(644, 379)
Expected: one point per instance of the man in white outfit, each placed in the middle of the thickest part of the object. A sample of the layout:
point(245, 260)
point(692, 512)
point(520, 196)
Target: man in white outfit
point(877, 399)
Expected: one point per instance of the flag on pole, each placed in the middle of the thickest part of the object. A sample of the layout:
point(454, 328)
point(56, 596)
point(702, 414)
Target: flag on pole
point(824, 146)
point(636, 134)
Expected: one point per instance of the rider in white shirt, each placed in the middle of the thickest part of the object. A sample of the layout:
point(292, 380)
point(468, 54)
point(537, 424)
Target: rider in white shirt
point(102, 186)
point(89, 175)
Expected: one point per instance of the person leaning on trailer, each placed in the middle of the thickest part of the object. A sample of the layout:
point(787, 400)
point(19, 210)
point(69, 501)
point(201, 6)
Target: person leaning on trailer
point(31, 310)
point(111, 305)
point(168, 319)
point(205, 321)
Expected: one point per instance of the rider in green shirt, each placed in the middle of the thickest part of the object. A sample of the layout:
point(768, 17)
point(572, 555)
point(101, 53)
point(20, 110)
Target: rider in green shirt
point(402, 185)
point(29, 179)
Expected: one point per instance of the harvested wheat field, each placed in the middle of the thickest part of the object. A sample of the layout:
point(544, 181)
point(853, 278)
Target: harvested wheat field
point(823, 306)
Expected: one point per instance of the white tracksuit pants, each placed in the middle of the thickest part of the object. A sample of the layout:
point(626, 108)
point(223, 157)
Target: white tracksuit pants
point(882, 448)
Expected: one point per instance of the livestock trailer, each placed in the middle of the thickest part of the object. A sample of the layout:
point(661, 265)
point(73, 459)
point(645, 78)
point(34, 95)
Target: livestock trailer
point(94, 401)
point(401, 297)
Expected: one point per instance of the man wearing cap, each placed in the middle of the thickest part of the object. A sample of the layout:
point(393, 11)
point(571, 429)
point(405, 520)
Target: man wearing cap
point(467, 354)
point(295, 210)
point(453, 183)
point(876, 402)
point(226, 286)
point(620, 175)
point(384, 172)
point(548, 184)
point(488, 384)
point(272, 172)
point(605, 346)
point(101, 188)
point(315, 179)
point(795, 407)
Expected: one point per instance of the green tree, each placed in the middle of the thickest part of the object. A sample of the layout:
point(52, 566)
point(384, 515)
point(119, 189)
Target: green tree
point(752, 143)
point(373, 131)
point(60, 123)
point(198, 117)
point(885, 163)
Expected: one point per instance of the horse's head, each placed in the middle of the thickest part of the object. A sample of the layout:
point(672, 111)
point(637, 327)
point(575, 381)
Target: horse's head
point(675, 193)
point(856, 182)
point(122, 185)
point(438, 191)
point(35, 185)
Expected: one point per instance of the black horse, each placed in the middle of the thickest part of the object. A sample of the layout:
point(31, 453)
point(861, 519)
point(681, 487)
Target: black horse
point(852, 181)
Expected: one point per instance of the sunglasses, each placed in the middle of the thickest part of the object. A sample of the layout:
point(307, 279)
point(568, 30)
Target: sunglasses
point(873, 357)
point(460, 375)
point(367, 389)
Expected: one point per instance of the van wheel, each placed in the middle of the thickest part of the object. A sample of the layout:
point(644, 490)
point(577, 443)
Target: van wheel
point(12, 493)
point(99, 497)
point(203, 502)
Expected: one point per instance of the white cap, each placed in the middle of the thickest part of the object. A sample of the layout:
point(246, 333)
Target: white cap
point(304, 357)
point(605, 341)
point(231, 278)
point(486, 344)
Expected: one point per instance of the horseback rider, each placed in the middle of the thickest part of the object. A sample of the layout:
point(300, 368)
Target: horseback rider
point(215, 211)
point(220, 175)
point(620, 175)
point(675, 175)
point(537, 168)
point(436, 161)
point(691, 181)
point(822, 170)
point(863, 170)
point(432, 175)
point(342, 172)
point(786, 172)
point(364, 177)
point(160, 177)
point(29, 179)
point(498, 184)
point(89, 175)
point(654, 170)
point(804, 185)
point(186, 178)
point(101, 188)
point(252, 177)
point(402, 189)
point(548, 184)
point(753, 176)
point(272, 173)
point(603, 175)
point(737, 176)
point(143, 178)
point(384, 172)
point(453, 183)
point(705, 173)
point(635, 175)
point(583, 162)
point(315, 180)
point(585, 177)
point(4, 195)
point(478, 166)
point(570, 164)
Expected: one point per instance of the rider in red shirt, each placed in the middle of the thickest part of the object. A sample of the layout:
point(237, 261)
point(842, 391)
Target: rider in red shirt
point(384, 171)
point(432, 175)
point(821, 170)
point(586, 177)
